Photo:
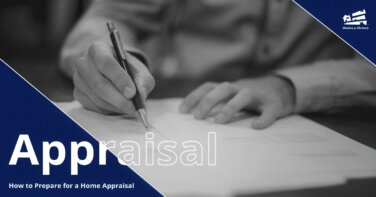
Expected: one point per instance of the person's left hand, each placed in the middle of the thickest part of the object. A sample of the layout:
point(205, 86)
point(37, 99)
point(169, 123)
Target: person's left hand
point(273, 97)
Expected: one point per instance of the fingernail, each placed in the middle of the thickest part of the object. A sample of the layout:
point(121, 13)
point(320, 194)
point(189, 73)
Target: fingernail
point(220, 118)
point(183, 109)
point(128, 92)
point(197, 114)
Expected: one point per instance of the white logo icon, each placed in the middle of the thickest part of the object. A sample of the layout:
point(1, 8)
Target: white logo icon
point(356, 18)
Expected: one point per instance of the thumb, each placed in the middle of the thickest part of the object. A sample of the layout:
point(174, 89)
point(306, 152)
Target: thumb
point(143, 79)
point(145, 84)
point(268, 116)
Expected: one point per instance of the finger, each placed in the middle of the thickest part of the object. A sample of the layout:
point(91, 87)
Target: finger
point(82, 86)
point(268, 116)
point(103, 58)
point(104, 89)
point(195, 96)
point(144, 80)
point(220, 93)
point(241, 100)
point(87, 102)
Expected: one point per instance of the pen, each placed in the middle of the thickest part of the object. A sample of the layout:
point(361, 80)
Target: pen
point(122, 59)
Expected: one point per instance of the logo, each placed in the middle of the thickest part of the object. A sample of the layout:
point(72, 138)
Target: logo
point(355, 21)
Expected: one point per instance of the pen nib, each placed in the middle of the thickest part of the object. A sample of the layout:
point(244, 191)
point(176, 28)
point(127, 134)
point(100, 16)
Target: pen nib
point(144, 119)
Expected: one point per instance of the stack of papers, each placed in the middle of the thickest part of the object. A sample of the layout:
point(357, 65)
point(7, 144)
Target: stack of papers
point(293, 153)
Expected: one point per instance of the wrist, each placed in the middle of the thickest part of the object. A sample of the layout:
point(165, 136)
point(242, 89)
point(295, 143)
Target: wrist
point(287, 90)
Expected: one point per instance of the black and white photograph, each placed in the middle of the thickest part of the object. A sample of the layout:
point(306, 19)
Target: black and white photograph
point(202, 97)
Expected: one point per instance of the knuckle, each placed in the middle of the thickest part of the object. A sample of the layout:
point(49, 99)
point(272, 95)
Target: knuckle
point(231, 108)
point(209, 84)
point(119, 79)
point(189, 100)
point(207, 101)
point(99, 85)
point(227, 86)
point(245, 92)
point(192, 98)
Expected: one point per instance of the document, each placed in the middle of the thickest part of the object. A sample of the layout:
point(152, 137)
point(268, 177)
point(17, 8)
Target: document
point(293, 153)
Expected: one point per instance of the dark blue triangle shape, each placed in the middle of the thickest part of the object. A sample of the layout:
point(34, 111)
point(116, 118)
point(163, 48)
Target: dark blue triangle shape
point(331, 13)
point(26, 111)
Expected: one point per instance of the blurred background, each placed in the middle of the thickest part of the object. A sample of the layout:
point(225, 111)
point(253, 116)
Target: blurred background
point(31, 37)
point(31, 34)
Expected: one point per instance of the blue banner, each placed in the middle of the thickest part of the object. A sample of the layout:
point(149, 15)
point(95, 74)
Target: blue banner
point(27, 113)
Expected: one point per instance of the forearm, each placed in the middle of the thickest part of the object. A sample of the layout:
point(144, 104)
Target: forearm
point(333, 84)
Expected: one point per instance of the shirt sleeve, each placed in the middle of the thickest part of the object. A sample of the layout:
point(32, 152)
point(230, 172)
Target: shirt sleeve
point(140, 16)
point(139, 19)
point(332, 84)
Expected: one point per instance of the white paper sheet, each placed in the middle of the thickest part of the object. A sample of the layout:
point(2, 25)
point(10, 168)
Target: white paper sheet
point(294, 153)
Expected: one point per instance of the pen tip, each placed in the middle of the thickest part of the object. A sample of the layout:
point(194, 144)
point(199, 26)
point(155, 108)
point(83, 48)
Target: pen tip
point(146, 125)
point(143, 118)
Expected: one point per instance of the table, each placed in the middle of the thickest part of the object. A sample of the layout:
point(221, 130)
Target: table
point(358, 124)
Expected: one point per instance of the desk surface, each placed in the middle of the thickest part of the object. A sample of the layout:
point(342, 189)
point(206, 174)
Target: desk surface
point(360, 126)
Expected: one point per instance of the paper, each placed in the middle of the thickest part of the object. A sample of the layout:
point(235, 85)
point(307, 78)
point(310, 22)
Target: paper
point(293, 153)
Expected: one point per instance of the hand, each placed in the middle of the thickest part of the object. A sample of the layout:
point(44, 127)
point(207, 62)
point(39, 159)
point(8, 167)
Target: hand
point(103, 86)
point(273, 97)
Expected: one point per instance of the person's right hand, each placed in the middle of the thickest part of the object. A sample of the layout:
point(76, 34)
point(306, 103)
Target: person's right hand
point(103, 86)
